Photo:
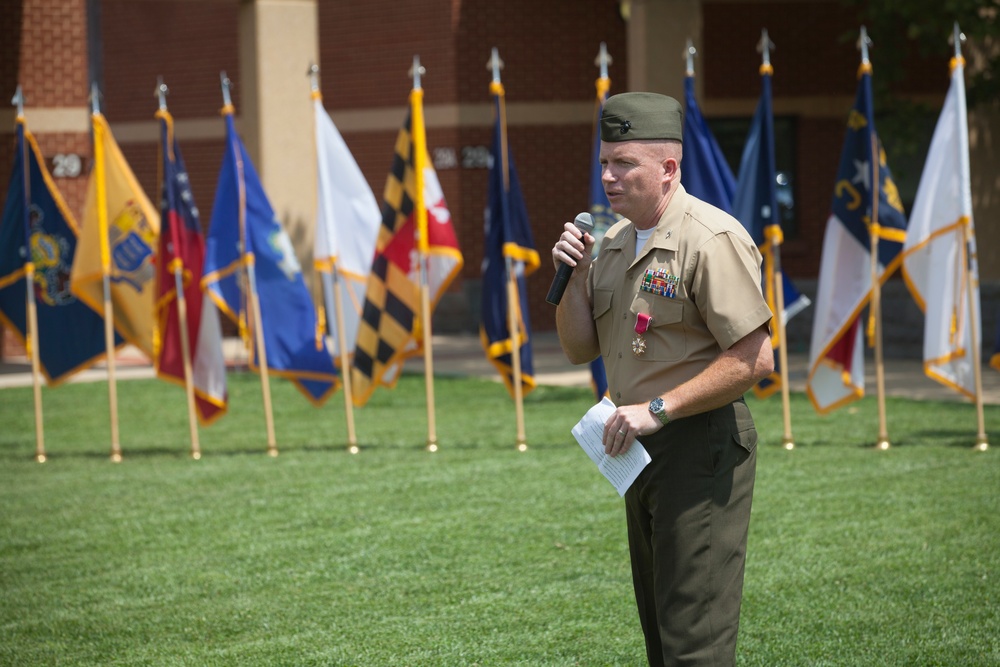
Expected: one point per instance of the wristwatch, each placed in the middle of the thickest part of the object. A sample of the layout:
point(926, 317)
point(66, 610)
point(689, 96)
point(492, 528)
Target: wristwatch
point(656, 407)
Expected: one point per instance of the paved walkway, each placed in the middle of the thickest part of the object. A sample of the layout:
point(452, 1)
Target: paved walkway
point(463, 355)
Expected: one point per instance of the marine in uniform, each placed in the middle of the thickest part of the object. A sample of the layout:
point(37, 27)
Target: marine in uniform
point(673, 304)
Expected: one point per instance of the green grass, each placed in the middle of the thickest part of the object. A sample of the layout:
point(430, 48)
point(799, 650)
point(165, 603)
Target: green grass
point(474, 555)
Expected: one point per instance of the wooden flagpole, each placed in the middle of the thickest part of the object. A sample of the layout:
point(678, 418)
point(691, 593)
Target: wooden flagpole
point(419, 147)
point(970, 264)
point(102, 224)
point(774, 236)
point(253, 304)
point(335, 309)
point(875, 314)
point(513, 299)
point(29, 284)
point(177, 267)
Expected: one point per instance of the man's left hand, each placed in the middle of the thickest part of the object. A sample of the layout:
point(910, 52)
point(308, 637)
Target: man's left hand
point(625, 425)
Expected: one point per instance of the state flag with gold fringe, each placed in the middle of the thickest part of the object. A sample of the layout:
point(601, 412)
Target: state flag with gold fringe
point(510, 257)
point(119, 237)
point(390, 330)
point(38, 228)
point(246, 235)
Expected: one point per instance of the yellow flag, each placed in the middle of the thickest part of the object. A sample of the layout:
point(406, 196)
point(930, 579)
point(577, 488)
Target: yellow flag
point(119, 237)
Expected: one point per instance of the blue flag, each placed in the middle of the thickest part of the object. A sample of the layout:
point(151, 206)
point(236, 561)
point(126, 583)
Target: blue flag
point(704, 172)
point(863, 192)
point(755, 204)
point(288, 315)
point(510, 255)
point(37, 227)
point(604, 217)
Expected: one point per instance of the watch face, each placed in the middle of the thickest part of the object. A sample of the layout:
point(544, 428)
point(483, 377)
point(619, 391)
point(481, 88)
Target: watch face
point(656, 405)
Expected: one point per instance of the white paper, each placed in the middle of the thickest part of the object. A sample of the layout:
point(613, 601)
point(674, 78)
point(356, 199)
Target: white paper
point(620, 470)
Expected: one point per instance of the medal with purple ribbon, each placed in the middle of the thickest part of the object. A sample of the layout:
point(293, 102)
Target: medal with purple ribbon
point(642, 322)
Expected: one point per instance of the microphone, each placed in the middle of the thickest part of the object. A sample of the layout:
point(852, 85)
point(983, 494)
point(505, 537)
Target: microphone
point(585, 223)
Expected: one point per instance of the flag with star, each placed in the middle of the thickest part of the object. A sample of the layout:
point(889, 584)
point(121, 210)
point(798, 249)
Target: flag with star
point(183, 246)
point(865, 200)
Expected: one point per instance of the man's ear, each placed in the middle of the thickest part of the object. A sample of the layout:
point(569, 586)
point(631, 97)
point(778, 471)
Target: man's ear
point(671, 169)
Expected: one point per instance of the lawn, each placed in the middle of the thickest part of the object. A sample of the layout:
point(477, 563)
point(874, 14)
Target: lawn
point(474, 555)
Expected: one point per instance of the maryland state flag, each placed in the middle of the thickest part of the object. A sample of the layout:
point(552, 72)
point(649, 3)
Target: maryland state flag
point(390, 331)
point(38, 228)
point(510, 257)
point(865, 199)
point(119, 239)
point(244, 233)
point(182, 246)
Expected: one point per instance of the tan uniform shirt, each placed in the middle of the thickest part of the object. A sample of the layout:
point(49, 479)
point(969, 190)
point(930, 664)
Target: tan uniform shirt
point(702, 289)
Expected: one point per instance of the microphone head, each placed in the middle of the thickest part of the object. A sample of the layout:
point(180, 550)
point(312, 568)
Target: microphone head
point(584, 222)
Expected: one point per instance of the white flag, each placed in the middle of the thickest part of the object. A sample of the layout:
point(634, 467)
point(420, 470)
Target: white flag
point(939, 259)
point(347, 225)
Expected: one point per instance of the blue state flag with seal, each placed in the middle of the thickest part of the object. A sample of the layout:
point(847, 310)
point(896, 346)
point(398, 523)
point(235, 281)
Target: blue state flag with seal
point(37, 228)
point(244, 233)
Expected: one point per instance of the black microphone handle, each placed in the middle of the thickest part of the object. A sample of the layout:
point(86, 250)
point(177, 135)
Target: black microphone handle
point(563, 274)
point(585, 223)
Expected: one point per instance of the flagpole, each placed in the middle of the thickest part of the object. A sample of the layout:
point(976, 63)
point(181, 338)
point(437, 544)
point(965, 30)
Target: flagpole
point(177, 268)
point(334, 308)
point(102, 224)
point(968, 241)
point(29, 283)
point(257, 332)
point(774, 236)
point(875, 316)
point(420, 208)
point(495, 64)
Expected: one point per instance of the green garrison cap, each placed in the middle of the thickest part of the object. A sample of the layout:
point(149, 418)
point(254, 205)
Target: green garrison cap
point(629, 116)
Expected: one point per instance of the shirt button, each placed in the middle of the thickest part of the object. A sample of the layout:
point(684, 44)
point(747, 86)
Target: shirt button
point(619, 355)
point(618, 395)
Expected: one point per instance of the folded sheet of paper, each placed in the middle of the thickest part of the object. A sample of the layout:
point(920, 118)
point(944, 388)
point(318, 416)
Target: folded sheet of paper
point(620, 470)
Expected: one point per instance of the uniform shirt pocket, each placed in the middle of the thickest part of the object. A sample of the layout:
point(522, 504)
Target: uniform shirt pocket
point(603, 319)
point(665, 338)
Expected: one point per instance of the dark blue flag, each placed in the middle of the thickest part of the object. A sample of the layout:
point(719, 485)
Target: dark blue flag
point(510, 257)
point(704, 172)
point(37, 227)
point(755, 204)
point(604, 217)
point(244, 224)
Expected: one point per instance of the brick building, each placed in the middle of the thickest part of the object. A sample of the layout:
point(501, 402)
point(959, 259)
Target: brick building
point(55, 48)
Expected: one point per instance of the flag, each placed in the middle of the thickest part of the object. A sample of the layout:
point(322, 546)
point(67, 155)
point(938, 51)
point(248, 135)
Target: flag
point(704, 172)
point(120, 235)
point(755, 205)
point(347, 224)
point(604, 217)
point(38, 227)
point(864, 190)
point(939, 253)
point(244, 230)
point(509, 248)
point(182, 245)
point(995, 359)
point(390, 330)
